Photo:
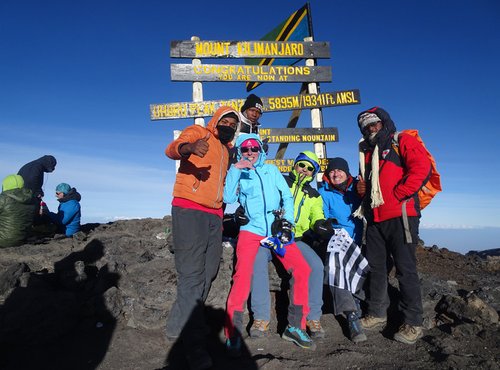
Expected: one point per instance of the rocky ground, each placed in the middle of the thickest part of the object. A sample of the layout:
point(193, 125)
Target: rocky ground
point(100, 300)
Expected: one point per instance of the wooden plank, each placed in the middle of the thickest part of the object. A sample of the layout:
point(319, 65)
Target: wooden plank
point(286, 165)
point(253, 73)
point(271, 104)
point(249, 49)
point(299, 135)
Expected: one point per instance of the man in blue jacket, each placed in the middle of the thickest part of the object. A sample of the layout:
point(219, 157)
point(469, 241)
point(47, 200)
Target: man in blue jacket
point(69, 211)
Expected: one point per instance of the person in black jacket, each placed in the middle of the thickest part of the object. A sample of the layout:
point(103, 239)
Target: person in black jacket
point(251, 111)
point(33, 173)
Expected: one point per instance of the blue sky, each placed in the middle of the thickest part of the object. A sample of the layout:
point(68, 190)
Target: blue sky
point(77, 78)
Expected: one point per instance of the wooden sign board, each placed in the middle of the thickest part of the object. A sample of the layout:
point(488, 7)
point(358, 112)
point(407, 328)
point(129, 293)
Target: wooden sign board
point(271, 104)
point(286, 165)
point(299, 135)
point(249, 73)
point(249, 49)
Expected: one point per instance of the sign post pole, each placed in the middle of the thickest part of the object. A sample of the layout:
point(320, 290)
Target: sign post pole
point(197, 88)
point(316, 117)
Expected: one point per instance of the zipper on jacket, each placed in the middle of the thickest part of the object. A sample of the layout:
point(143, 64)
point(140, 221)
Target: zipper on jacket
point(264, 200)
point(299, 207)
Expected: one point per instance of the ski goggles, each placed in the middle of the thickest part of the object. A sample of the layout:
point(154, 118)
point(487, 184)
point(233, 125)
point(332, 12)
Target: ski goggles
point(306, 165)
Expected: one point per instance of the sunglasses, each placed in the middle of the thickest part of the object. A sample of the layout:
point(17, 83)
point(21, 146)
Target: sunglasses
point(303, 165)
point(246, 149)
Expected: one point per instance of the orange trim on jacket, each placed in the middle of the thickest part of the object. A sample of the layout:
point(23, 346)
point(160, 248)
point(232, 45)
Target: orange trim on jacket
point(201, 180)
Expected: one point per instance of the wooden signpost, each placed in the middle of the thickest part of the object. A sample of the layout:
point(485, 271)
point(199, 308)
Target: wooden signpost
point(249, 73)
point(249, 49)
point(309, 98)
point(299, 135)
point(271, 104)
point(286, 165)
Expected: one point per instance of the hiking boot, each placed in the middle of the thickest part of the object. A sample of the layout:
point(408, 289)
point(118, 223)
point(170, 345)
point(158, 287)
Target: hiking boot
point(372, 322)
point(299, 337)
point(315, 329)
point(356, 333)
point(259, 329)
point(408, 334)
point(233, 346)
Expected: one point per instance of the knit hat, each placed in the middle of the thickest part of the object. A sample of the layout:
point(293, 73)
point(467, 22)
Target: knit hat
point(250, 143)
point(367, 118)
point(12, 182)
point(310, 157)
point(232, 115)
point(63, 188)
point(253, 101)
point(337, 163)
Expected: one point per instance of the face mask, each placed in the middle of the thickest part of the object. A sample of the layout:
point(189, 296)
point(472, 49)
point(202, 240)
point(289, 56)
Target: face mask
point(225, 133)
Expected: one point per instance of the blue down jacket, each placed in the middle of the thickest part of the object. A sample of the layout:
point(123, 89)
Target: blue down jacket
point(68, 213)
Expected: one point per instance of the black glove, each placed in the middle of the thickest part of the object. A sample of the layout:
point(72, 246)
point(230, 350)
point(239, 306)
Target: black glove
point(240, 217)
point(265, 145)
point(282, 229)
point(324, 228)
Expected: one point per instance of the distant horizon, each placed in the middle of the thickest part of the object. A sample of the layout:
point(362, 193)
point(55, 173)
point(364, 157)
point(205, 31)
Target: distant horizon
point(455, 239)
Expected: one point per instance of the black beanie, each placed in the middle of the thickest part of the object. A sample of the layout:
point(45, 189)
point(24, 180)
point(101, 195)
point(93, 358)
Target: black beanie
point(253, 101)
point(337, 163)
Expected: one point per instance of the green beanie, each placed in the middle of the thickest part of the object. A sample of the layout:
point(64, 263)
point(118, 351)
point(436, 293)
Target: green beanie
point(12, 182)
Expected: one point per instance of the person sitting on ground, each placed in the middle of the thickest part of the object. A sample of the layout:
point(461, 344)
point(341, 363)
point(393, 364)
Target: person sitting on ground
point(68, 213)
point(308, 215)
point(340, 201)
point(17, 209)
point(261, 190)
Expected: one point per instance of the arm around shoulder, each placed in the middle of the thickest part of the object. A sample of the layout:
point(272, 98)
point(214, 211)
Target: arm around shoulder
point(231, 185)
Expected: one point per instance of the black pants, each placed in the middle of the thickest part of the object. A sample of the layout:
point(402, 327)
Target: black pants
point(197, 240)
point(386, 240)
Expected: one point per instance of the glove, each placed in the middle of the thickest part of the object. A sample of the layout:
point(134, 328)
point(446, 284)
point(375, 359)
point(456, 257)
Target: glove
point(265, 145)
point(282, 229)
point(240, 217)
point(274, 244)
point(361, 187)
point(324, 228)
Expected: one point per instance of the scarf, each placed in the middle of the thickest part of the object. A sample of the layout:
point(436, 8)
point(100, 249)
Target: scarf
point(376, 193)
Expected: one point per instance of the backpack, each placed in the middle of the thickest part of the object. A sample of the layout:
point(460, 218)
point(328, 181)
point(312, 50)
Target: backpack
point(433, 184)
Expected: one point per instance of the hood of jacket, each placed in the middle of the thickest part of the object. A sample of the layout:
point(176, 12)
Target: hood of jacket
point(71, 195)
point(48, 162)
point(309, 157)
point(384, 136)
point(243, 137)
point(12, 182)
point(218, 115)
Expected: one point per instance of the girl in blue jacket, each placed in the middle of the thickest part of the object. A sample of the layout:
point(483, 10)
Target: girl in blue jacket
point(261, 189)
point(68, 214)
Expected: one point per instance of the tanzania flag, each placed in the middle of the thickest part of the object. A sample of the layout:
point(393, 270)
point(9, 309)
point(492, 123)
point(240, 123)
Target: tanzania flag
point(295, 28)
